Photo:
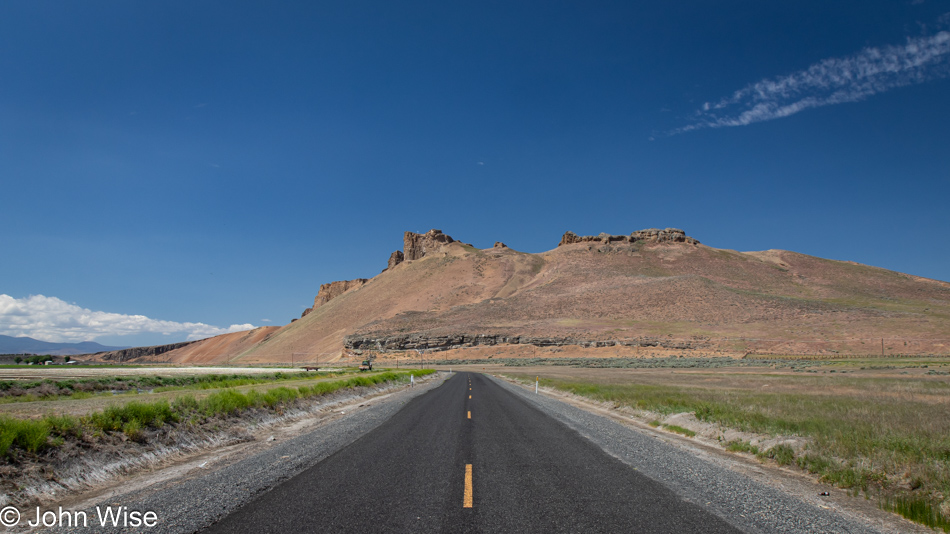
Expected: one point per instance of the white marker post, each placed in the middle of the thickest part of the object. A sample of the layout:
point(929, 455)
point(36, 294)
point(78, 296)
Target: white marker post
point(412, 381)
point(536, 380)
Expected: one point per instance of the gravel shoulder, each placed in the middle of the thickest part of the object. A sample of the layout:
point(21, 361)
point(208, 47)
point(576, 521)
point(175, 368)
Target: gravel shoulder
point(752, 496)
point(193, 494)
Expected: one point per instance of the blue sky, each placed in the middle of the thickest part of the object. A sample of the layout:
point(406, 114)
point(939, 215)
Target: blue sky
point(212, 163)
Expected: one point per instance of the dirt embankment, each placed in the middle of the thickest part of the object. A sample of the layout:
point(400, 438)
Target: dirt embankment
point(90, 465)
point(140, 354)
point(214, 350)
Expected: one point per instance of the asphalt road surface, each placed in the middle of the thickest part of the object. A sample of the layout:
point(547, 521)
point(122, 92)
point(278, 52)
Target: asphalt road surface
point(470, 456)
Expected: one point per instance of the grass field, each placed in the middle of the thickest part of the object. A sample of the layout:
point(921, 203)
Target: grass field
point(45, 425)
point(40, 372)
point(880, 428)
point(53, 389)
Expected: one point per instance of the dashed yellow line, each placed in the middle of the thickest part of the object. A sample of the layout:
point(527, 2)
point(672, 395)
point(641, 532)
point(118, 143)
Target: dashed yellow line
point(470, 396)
point(469, 414)
point(467, 498)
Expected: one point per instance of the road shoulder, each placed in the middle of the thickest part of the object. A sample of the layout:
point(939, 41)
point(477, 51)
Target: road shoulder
point(753, 496)
point(193, 494)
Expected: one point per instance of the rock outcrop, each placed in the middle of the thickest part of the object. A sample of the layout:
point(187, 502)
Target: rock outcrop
point(457, 341)
point(416, 246)
point(333, 290)
point(651, 235)
point(499, 244)
point(394, 259)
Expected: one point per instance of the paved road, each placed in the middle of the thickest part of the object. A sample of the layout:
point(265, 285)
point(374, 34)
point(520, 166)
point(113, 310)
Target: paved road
point(470, 456)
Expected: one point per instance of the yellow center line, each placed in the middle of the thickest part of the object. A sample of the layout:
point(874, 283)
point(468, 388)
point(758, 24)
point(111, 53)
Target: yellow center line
point(467, 499)
point(470, 396)
point(469, 414)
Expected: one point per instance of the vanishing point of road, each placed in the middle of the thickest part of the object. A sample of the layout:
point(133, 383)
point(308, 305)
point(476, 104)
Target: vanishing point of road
point(470, 456)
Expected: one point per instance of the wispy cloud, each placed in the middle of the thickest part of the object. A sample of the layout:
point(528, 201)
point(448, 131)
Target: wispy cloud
point(52, 319)
point(830, 81)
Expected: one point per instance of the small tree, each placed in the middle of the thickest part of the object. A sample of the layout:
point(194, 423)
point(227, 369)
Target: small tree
point(18, 359)
point(66, 359)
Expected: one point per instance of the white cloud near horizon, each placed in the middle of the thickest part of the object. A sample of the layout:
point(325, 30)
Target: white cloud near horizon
point(54, 320)
point(830, 81)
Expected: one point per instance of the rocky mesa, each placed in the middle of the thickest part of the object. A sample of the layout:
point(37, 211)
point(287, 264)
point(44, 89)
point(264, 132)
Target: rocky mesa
point(651, 235)
point(415, 246)
point(648, 290)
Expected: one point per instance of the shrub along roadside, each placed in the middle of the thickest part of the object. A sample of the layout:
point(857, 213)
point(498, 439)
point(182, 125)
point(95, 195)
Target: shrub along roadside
point(34, 435)
point(31, 436)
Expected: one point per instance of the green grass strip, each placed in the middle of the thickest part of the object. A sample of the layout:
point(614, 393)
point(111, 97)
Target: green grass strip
point(680, 430)
point(67, 389)
point(34, 435)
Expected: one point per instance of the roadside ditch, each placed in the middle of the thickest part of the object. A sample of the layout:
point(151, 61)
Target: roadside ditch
point(95, 459)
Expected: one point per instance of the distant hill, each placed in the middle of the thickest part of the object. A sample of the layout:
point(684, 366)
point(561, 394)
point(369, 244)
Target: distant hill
point(28, 345)
point(651, 289)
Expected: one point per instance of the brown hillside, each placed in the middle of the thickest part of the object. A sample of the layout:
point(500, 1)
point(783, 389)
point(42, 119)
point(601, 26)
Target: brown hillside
point(655, 288)
point(219, 349)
